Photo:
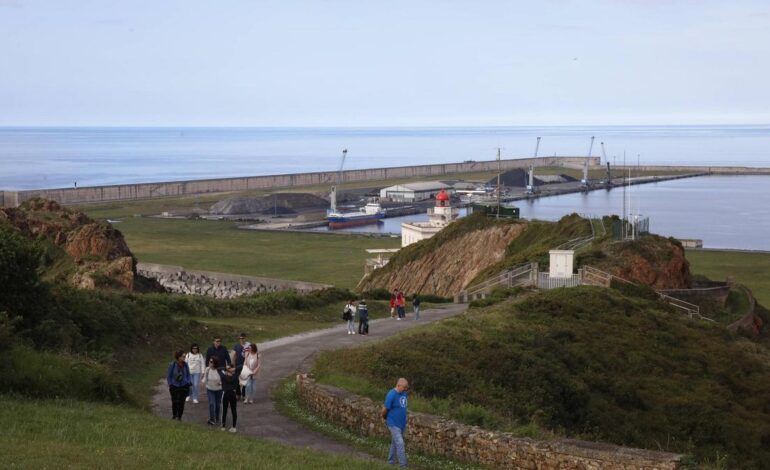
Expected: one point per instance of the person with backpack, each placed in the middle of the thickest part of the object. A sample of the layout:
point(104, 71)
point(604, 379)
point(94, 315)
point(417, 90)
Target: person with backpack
point(349, 315)
point(178, 379)
point(363, 318)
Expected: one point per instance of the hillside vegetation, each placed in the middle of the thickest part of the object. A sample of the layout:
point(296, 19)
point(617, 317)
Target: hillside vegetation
point(587, 362)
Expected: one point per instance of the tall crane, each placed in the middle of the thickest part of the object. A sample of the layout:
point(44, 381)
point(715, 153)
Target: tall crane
point(584, 182)
point(333, 196)
point(608, 179)
point(531, 183)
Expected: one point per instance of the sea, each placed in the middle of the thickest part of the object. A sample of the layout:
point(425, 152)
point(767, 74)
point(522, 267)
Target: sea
point(726, 212)
point(54, 157)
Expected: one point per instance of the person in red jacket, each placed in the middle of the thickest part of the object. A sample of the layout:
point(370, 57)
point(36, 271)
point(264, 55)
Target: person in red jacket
point(393, 305)
point(401, 305)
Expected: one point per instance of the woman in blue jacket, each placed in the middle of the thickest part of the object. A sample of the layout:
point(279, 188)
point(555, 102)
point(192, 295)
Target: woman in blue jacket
point(178, 379)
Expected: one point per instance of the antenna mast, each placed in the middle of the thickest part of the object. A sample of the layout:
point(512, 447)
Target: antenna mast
point(498, 182)
point(333, 198)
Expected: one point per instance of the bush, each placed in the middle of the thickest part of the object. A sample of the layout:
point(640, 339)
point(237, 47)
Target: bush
point(34, 373)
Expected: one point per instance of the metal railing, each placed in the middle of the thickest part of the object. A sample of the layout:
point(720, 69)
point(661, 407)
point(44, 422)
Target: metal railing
point(546, 281)
point(522, 275)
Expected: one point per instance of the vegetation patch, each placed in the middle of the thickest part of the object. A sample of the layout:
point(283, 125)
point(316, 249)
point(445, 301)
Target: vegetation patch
point(588, 363)
point(74, 434)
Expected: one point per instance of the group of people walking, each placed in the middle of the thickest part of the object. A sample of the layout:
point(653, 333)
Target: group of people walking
point(397, 311)
point(398, 305)
point(227, 375)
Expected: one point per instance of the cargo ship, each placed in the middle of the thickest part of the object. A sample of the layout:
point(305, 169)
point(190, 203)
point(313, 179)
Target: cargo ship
point(371, 213)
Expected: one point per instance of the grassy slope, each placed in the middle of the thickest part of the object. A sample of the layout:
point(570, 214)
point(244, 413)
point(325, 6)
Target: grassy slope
point(584, 362)
point(749, 269)
point(68, 434)
point(219, 246)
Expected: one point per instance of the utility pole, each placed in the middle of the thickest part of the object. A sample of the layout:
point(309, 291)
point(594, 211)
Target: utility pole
point(499, 170)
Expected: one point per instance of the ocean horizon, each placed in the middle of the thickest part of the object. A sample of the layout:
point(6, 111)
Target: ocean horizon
point(56, 157)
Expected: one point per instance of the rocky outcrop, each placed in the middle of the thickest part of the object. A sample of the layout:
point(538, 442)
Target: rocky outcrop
point(99, 254)
point(653, 261)
point(452, 266)
point(176, 279)
point(281, 203)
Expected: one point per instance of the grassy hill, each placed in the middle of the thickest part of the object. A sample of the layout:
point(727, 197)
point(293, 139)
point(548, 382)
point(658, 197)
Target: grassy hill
point(590, 363)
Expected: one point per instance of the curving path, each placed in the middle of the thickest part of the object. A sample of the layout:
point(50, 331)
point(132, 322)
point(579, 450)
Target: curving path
point(280, 358)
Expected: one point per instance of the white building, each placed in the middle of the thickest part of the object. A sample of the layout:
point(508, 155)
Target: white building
point(441, 215)
point(411, 192)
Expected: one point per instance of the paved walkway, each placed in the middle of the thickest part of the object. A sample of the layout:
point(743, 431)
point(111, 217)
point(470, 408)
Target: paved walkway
point(280, 358)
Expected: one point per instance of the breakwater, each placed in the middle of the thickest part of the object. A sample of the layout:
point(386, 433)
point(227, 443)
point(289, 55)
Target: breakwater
point(123, 192)
point(176, 279)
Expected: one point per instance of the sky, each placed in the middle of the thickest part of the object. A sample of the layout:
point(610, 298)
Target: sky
point(378, 63)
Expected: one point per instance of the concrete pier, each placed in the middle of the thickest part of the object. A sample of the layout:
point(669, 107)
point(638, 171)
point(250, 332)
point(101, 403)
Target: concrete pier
point(126, 192)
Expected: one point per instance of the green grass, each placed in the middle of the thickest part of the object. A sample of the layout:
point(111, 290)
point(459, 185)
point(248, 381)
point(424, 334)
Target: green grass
point(588, 363)
point(749, 269)
point(71, 434)
point(220, 246)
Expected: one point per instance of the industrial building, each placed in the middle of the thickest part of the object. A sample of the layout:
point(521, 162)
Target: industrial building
point(411, 192)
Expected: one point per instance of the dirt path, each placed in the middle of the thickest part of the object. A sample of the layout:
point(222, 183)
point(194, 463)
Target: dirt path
point(280, 358)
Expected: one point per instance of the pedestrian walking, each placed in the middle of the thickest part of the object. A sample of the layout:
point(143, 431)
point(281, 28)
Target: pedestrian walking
point(178, 379)
point(248, 377)
point(239, 354)
point(229, 387)
point(218, 351)
point(416, 306)
point(349, 314)
point(197, 364)
point(401, 305)
point(393, 305)
point(394, 412)
point(363, 318)
point(213, 383)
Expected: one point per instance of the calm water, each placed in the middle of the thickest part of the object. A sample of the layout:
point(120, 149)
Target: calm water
point(57, 157)
point(723, 211)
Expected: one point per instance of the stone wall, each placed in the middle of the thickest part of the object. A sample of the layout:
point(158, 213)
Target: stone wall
point(177, 280)
point(183, 188)
point(431, 434)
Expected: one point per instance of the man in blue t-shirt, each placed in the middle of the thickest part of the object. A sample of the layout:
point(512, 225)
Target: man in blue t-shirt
point(394, 412)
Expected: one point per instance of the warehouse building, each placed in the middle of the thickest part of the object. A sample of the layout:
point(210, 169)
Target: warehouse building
point(411, 192)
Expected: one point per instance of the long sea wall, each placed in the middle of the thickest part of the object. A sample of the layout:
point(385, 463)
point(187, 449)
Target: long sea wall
point(178, 280)
point(122, 192)
point(435, 435)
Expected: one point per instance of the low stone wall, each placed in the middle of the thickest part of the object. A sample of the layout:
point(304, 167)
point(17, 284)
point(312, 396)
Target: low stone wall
point(177, 280)
point(434, 435)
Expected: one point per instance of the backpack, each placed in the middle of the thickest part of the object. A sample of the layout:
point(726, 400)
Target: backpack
point(346, 313)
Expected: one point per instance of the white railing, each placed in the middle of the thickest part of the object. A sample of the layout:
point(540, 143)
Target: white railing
point(545, 281)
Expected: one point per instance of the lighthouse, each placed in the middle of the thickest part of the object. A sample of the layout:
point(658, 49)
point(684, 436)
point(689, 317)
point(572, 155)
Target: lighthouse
point(441, 215)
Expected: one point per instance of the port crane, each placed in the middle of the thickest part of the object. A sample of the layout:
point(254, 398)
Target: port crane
point(608, 179)
point(333, 195)
point(531, 183)
point(585, 182)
